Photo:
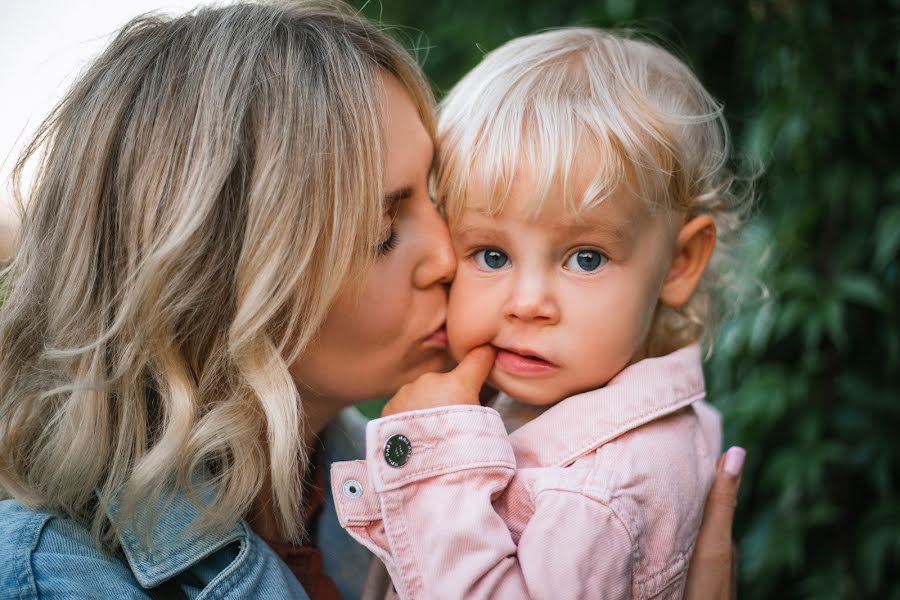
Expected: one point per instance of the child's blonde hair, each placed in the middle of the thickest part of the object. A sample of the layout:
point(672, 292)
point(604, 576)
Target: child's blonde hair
point(542, 100)
point(203, 192)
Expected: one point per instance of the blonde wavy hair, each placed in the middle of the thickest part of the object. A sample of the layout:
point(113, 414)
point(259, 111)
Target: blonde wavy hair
point(202, 193)
point(539, 99)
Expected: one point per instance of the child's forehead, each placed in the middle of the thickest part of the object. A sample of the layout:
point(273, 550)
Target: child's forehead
point(564, 198)
point(616, 211)
point(576, 175)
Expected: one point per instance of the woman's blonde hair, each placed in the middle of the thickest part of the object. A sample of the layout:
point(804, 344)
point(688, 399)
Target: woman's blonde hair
point(551, 100)
point(202, 193)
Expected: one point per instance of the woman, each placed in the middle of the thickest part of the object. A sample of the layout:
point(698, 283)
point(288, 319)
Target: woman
point(229, 240)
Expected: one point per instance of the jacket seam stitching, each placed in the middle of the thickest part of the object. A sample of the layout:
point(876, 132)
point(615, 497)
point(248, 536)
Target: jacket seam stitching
point(398, 539)
point(431, 414)
point(223, 582)
point(633, 423)
point(28, 538)
point(442, 469)
point(612, 511)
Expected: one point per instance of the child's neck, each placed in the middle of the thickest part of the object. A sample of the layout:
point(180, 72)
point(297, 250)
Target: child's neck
point(515, 413)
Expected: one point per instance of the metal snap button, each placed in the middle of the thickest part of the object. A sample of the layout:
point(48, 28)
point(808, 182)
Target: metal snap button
point(352, 488)
point(397, 450)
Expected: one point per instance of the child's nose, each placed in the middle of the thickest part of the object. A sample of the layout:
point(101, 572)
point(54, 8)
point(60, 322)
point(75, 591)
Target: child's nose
point(533, 300)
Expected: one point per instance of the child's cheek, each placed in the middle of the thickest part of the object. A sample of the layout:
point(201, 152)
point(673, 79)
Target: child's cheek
point(470, 322)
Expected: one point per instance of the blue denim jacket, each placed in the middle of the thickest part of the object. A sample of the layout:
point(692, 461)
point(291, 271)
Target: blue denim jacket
point(42, 556)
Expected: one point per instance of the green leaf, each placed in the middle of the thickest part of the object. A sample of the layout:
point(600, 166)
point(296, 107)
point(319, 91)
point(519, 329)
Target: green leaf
point(879, 538)
point(762, 326)
point(833, 312)
point(861, 289)
point(887, 236)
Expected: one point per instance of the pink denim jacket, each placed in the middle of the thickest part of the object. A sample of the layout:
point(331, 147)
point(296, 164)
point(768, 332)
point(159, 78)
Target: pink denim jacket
point(599, 497)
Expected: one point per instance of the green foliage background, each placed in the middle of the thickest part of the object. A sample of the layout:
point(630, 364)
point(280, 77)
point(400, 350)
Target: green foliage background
point(806, 376)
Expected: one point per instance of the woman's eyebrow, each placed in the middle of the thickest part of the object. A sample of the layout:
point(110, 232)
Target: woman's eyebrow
point(392, 198)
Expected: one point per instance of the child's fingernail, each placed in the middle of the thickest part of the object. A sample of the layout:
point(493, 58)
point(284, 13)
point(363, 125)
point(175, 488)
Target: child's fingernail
point(734, 460)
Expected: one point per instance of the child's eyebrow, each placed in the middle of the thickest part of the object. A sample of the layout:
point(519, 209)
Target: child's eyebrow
point(618, 233)
point(468, 232)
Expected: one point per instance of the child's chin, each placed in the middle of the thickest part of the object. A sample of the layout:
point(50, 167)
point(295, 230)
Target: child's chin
point(524, 393)
point(537, 400)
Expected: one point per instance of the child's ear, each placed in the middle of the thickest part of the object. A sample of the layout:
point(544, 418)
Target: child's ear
point(694, 246)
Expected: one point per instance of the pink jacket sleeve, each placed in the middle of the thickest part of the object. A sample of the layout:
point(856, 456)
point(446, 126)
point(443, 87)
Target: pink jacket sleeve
point(432, 522)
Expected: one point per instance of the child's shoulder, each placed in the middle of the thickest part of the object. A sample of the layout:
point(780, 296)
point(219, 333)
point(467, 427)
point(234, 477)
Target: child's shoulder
point(675, 452)
point(652, 480)
point(668, 459)
point(655, 478)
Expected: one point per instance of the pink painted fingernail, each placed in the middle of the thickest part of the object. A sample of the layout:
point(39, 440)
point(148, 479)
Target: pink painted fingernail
point(734, 461)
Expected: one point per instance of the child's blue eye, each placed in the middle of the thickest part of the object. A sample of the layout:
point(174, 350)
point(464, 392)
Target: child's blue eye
point(585, 261)
point(491, 259)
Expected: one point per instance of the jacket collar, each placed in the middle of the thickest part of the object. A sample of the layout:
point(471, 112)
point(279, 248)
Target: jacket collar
point(177, 546)
point(642, 392)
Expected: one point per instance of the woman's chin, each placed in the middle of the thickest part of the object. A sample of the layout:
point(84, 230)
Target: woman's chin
point(438, 362)
point(435, 361)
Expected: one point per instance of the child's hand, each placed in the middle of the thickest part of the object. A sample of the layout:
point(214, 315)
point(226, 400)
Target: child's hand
point(459, 386)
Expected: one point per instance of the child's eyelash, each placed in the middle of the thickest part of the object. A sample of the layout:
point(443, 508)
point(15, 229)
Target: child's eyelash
point(389, 244)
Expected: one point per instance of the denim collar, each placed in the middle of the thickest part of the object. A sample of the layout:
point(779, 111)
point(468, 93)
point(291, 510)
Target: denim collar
point(176, 546)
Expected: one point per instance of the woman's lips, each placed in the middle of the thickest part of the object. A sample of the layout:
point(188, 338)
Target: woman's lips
point(438, 339)
point(523, 363)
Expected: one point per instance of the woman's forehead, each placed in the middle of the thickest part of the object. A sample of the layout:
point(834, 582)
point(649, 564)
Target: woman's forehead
point(408, 148)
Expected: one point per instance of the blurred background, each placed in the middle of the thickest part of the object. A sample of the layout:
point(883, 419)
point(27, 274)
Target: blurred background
point(807, 373)
point(44, 44)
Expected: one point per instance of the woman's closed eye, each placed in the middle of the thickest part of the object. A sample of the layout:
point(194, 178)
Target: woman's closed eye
point(389, 243)
point(490, 259)
point(585, 260)
point(392, 202)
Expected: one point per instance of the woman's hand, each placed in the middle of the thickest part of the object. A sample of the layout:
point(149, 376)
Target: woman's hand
point(713, 569)
point(459, 386)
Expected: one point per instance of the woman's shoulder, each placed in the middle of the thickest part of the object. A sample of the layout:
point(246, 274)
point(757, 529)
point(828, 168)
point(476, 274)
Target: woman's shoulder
point(46, 555)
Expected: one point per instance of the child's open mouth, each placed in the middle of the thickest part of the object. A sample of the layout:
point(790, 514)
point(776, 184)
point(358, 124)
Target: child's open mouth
point(523, 362)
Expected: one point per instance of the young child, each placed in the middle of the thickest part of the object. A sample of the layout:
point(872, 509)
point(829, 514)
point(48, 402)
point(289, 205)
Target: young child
point(583, 178)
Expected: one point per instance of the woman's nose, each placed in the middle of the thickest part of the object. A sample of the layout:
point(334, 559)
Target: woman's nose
point(438, 262)
point(532, 300)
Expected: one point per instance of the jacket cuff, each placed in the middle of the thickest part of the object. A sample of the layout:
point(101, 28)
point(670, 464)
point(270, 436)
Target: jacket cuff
point(354, 499)
point(435, 441)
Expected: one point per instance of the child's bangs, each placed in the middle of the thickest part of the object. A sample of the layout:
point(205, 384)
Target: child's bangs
point(553, 155)
point(570, 131)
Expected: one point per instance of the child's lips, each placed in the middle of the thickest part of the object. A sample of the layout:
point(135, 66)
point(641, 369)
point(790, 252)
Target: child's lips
point(520, 361)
